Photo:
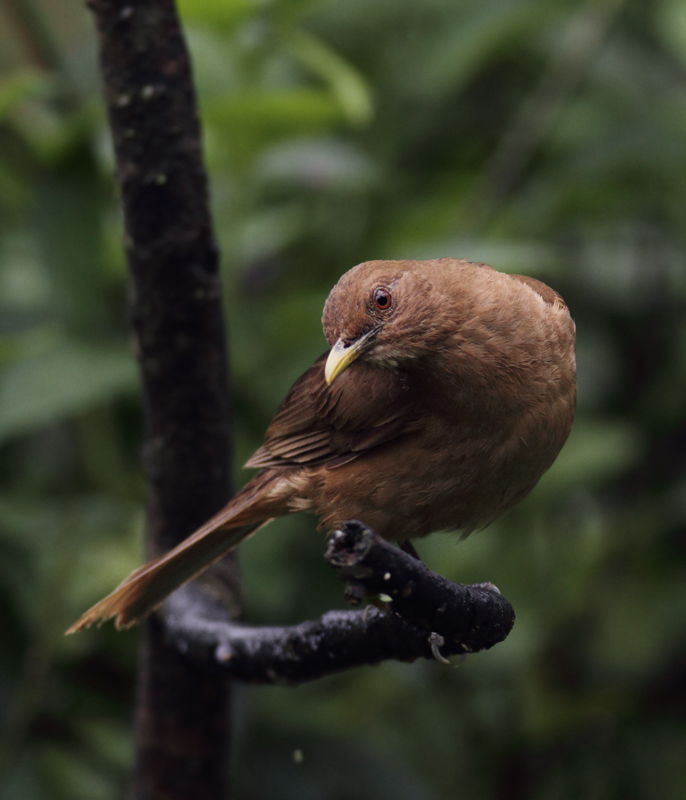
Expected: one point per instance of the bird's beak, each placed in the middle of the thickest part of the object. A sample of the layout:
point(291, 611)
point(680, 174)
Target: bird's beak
point(342, 356)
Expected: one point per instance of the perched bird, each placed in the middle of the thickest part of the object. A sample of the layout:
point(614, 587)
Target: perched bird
point(448, 391)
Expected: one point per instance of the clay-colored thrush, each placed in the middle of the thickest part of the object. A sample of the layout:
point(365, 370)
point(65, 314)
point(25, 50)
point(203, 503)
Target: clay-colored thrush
point(448, 391)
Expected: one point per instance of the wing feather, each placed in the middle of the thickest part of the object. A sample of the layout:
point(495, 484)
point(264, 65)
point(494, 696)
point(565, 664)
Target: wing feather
point(318, 424)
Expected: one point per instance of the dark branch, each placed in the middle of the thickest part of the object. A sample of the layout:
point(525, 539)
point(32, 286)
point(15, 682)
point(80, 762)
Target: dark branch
point(475, 616)
point(182, 727)
point(426, 616)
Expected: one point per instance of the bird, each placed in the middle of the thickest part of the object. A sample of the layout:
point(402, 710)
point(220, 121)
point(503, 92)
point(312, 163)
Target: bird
point(448, 391)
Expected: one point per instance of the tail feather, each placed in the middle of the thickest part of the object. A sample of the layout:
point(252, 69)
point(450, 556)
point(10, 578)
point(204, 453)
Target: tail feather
point(146, 588)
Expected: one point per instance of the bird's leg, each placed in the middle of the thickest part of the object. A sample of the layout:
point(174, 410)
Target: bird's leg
point(408, 548)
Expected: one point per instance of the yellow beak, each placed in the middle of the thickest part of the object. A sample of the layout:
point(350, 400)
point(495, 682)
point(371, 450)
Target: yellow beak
point(342, 356)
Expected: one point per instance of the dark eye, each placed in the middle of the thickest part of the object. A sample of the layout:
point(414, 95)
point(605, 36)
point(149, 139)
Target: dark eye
point(382, 298)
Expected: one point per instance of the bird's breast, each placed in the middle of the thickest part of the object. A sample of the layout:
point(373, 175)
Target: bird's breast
point(467, 458)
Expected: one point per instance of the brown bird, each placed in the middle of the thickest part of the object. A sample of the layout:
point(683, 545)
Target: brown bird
point(448, 391)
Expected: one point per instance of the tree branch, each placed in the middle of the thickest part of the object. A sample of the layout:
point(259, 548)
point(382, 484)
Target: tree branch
point(182, 723)
point(426, 616)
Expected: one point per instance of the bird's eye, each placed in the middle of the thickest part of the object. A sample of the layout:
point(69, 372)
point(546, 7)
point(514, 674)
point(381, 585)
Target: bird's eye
point(382, 298)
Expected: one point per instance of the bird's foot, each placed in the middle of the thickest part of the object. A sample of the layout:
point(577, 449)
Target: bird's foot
point(437, 641)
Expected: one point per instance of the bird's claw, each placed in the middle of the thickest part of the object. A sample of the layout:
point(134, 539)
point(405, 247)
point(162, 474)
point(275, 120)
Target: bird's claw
point(436, 641)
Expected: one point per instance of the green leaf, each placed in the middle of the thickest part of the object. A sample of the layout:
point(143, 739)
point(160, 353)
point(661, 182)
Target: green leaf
point(18, 87)
point(70, 775)
point(51, 386)
point(476, 35)
point(218, 14)
point(248, 121)
point(347, 85)
point(671, 25)
point(527, 257)
point(597, 450)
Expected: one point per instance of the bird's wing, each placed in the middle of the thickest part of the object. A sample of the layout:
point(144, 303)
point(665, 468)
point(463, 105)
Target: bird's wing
point(551, 297)
point(334, 424)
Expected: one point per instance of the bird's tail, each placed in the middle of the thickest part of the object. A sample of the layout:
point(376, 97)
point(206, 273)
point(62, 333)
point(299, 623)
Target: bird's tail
point(147, 587)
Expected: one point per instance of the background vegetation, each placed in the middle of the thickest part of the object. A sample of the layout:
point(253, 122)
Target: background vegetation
point(541, 136)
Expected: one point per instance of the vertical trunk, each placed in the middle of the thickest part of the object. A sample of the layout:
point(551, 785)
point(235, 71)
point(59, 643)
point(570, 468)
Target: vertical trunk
point(182, 723)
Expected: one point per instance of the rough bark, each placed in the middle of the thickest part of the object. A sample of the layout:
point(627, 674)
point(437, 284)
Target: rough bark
point(182, 722)
point(424, 616)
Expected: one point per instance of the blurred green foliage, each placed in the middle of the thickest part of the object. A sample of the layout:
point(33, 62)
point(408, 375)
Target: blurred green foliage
point(542, 136)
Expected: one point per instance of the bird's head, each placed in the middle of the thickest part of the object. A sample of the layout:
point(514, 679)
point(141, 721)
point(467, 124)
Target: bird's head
point(383, 313)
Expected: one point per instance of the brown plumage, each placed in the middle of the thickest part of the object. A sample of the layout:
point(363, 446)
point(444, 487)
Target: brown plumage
point(449, 390)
